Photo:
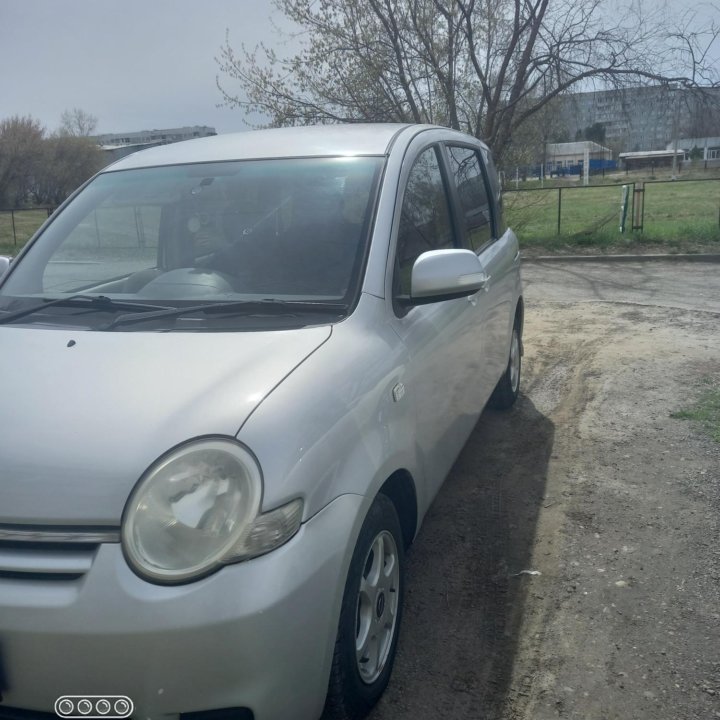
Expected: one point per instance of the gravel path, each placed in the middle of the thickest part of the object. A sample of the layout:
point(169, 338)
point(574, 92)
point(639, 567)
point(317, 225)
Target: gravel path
point(590, 482)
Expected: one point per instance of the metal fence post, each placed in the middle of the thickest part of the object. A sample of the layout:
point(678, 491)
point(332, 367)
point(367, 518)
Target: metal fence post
point(12, 217)
point(642, 208)
point(559, 208)
point(623, 206)
point(639, 207)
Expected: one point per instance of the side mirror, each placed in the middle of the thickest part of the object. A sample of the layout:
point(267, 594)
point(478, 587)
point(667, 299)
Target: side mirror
point(4, 264)
point(445, 274)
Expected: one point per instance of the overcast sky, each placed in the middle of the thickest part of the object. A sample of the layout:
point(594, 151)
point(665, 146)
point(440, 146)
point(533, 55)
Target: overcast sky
point(134, 64)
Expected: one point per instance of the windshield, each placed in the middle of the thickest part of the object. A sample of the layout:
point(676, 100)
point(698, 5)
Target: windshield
point(289, 231)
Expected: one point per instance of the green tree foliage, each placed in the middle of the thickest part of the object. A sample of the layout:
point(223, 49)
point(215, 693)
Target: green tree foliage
point(487, 67)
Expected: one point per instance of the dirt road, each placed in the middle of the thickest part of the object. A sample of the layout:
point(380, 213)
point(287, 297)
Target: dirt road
point(589, 481)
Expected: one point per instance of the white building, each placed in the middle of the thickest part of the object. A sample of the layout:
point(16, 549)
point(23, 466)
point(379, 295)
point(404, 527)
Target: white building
point(637, 118)
point(161, 137)
point(117, 145)
point(570, 154)
point(708, 146)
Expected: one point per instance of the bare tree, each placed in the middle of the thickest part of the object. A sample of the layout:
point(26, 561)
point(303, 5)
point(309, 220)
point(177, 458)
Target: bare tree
point(43, 169)
point(20, 151)
point(483, 66)
point(67, 162)
point(77, 122)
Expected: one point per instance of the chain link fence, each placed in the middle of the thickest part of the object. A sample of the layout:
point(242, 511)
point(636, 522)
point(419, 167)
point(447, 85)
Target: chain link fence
point(17, 225)
point(662, 210)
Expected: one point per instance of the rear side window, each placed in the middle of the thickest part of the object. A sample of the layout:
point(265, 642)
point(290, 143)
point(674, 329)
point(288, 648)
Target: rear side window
point(467, 175)
point(425, 217)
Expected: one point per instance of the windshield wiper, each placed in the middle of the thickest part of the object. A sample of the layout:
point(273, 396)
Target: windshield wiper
point(94, 302)
point(245, 307)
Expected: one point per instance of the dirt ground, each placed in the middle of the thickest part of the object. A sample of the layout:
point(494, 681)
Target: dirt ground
point(592, 484)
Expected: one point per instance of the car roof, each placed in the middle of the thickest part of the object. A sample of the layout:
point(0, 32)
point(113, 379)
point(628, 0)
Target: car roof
point(305, 141)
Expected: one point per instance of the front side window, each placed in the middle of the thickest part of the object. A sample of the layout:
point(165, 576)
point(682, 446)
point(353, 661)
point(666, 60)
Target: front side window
point(472, 193)
point(425, 218)
point(495, 189)
point(263, 230)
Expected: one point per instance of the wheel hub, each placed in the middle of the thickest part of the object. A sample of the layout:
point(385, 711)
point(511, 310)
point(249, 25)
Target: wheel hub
point(380, 605)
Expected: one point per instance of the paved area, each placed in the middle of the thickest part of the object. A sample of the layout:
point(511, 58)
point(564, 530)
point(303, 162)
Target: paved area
point(693, 286)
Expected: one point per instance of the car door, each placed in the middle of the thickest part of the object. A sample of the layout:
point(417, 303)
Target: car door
point(440, 337)
point(472, 175)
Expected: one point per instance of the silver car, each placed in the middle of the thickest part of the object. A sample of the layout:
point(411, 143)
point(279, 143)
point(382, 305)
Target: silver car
point(234, 373)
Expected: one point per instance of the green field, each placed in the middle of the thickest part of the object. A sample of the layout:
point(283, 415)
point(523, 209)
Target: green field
point(680, 215)
point(706, 411)
point(26, 223)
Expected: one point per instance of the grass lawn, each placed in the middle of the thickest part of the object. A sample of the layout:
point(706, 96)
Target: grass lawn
point(679, 216)
point(26, 223)
point(706, 411)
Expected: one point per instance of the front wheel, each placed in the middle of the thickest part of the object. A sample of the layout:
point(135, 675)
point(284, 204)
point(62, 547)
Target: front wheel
point(508, 387)
point(370, 616)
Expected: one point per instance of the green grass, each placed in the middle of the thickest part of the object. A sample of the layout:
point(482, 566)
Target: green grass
point(674, 208)
point(26, 223)
point(679, 216)
point(706, 411)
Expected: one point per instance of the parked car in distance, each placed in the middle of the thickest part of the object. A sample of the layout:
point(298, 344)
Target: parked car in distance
point(235, 372)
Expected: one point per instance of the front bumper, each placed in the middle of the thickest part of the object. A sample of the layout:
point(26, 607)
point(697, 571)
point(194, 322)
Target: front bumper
point(258, 634)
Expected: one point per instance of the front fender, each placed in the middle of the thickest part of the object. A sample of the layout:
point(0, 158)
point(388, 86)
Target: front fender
point(334, 427)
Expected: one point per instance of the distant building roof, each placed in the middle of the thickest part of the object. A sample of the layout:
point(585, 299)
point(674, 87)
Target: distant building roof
point(162, 135)
point(119, 146)
point(575, 148)
point(650, 154)
point(690, 143)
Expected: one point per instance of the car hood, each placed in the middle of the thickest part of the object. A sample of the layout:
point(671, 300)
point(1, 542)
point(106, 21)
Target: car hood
point(83, 414)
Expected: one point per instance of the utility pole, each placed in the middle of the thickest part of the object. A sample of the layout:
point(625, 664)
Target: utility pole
point(676, 131)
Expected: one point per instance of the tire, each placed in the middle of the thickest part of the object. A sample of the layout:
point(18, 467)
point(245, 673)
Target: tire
point(508, 388)
point(370, 616)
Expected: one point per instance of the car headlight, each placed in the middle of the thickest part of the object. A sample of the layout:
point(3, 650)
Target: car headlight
point(198, 508)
